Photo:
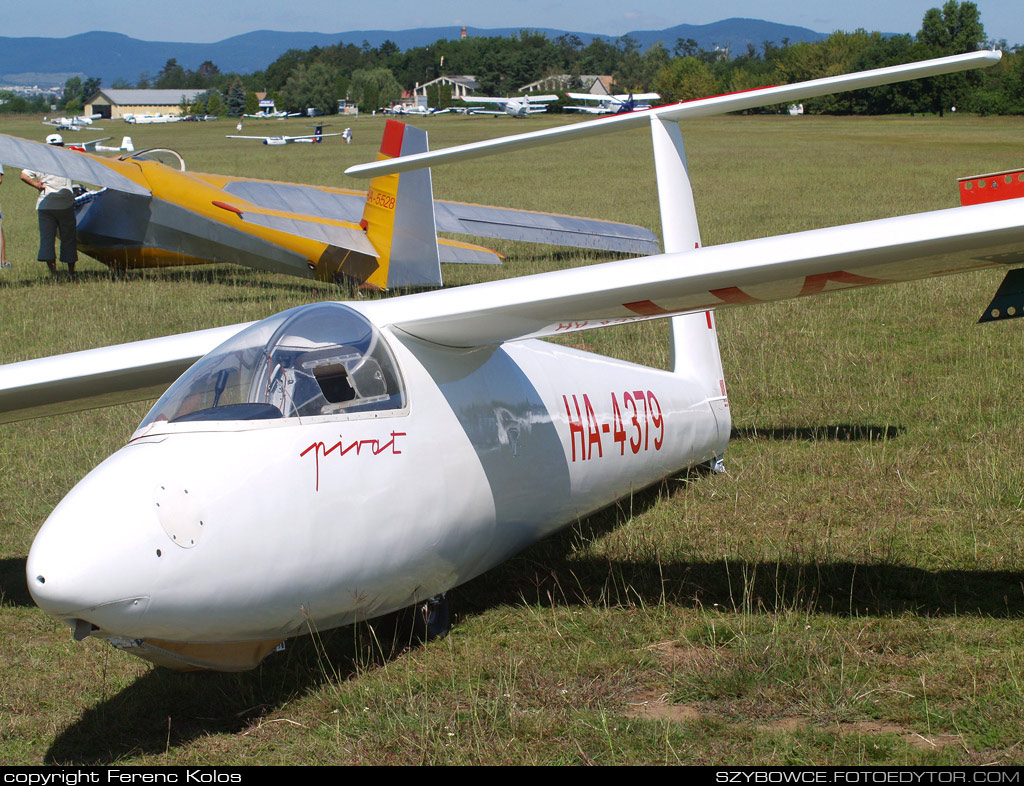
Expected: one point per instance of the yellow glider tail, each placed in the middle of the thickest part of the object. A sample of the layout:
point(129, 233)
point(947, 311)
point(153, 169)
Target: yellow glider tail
point(399, 217)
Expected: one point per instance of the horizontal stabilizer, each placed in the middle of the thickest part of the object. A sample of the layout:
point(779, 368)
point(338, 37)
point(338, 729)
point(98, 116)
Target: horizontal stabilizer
point(16, 152)
point(534, 227)
point(459, 253)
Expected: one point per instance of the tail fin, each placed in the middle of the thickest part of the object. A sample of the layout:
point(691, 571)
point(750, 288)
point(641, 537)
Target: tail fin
point(126, 145)
point(695, 351)
point(399, 216)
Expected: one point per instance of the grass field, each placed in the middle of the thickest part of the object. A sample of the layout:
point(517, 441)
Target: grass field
point(850, 592)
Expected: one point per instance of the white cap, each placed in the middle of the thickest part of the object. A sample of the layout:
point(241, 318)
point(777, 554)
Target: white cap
point(55, 139)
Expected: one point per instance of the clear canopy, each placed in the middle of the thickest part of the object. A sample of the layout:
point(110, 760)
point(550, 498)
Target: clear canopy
point(320, 359)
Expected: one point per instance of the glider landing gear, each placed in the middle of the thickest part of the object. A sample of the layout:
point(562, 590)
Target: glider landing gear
point(431, 619)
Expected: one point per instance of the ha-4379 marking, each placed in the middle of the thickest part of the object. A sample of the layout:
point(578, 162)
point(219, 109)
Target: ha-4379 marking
point(638, 423)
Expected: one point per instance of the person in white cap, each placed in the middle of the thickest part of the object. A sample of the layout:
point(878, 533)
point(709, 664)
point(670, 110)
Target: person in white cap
point(55, 208)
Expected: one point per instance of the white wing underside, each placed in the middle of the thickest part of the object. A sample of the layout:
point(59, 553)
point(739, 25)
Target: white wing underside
point(744, 273)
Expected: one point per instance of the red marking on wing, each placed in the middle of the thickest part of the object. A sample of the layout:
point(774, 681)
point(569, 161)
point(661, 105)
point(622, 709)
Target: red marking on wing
point(226, 206)
point(816, 283)
point(391, 144)
point(646, 308)
point(734, 295)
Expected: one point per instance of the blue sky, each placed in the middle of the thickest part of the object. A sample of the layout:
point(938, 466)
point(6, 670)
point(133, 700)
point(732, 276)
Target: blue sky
point(205, 21)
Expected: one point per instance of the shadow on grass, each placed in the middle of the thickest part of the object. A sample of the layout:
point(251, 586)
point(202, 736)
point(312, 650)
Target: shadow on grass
point(164, 709)
point(840, 432)
point(225, 275)
point(13, 589)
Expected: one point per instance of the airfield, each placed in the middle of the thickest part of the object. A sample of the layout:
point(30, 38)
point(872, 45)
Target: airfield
point(850, 592)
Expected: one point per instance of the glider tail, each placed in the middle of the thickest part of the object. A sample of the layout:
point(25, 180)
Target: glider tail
point(399, 216)
point(694, 337)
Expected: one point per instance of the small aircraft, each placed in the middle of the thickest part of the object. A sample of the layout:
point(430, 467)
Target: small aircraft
point(96, 146)
point(76, 123)
point(421, 111)
point(151, 212)
point(317, 136)
point(611, 105)
point(521, 106)
point(339, 461)
point(144, 119)
point(268, 111)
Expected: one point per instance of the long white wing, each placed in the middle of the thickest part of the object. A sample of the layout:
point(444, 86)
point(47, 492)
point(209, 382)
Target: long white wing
point(745, 273)
point(703, 107)
point(101, 377)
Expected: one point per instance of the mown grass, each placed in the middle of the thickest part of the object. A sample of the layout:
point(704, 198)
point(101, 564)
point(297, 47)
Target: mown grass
point(850, 592)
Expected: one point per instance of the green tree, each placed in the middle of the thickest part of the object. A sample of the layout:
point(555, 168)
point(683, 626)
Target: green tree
point(953, 30)
point(214, 104)
point(171, 76)
point(252, 103)
point(310, 87)
point(236, 99)
point(72, 94)
point(685, 79)
point(373, 88)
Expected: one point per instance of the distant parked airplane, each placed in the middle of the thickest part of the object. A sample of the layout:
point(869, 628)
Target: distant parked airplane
point(317, 136)
point(611, 105)
point(522, 106)
point(76, 123)
point(272, 115)
point(95, 146)
point(148, 119)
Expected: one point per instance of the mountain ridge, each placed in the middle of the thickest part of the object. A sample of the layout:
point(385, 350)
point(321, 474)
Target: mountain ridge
point(113, 56)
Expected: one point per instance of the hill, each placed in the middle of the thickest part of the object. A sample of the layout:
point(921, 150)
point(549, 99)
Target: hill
point(112, 56)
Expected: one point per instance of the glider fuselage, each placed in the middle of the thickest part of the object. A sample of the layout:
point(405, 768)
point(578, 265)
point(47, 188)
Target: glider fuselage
point(303, 523)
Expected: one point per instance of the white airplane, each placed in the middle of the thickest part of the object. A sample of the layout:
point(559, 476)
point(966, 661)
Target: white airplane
point(423, 111)
point(76, 123)
point(142, 119)
point(522, 106)
point(611, 105)
point(317, 136)
point(274, 115)
point(96, 146)
point(340, 461)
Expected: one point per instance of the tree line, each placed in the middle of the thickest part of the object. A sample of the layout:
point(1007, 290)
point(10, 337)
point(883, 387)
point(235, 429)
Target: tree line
point(374, 77)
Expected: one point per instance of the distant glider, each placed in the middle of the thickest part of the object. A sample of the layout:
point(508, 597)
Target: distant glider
point(316, 136)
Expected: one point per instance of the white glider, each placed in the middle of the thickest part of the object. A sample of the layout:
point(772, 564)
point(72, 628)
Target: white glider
point(340, 461)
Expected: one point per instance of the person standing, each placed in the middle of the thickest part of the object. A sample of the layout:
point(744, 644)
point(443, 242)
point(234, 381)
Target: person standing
point(55, 209)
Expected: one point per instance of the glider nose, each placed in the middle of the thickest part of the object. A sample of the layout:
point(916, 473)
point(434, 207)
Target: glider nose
point(95, 558)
